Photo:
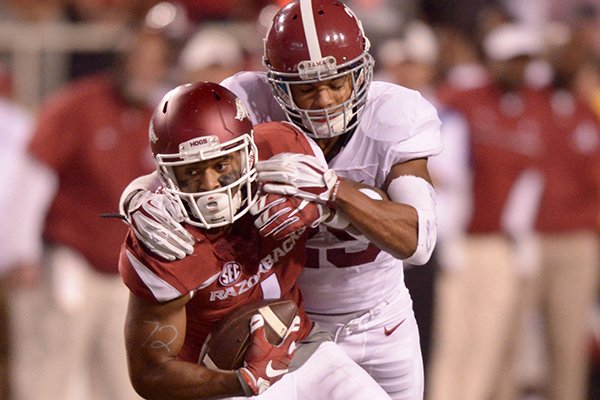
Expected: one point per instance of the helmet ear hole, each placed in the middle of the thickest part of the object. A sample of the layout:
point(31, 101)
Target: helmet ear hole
point(164, 110)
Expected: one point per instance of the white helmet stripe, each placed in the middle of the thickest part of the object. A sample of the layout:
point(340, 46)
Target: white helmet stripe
point(310, 30)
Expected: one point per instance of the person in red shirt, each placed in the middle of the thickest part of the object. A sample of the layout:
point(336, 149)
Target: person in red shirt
point(206, 151)
point(564, 289)
point(485, 269)
point(91, 135)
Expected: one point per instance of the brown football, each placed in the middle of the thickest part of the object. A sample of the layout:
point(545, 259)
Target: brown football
point(226, 346)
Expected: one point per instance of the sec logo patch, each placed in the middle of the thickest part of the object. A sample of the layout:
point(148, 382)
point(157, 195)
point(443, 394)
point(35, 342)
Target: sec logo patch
point(230, 273)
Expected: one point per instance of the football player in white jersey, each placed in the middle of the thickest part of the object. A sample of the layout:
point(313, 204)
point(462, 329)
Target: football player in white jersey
point(376, 138)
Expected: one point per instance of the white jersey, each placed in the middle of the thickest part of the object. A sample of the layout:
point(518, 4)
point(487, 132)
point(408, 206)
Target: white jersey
point(343, 274)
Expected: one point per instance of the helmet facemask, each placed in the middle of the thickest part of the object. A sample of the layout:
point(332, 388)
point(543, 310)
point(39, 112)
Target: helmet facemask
point(332, 121)
point(221, 206)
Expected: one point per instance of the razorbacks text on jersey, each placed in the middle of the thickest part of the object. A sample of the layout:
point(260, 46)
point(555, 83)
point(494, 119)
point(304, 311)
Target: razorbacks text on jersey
point(229, 267)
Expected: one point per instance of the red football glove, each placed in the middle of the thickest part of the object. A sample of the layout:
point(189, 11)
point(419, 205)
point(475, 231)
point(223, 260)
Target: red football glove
point(280, 216)
point(265, 363)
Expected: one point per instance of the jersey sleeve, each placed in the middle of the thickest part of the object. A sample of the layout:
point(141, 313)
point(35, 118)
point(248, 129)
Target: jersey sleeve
point(280, 137)
point(156, 280)
point(255, 92)
point(406, 123)
point(423, 138)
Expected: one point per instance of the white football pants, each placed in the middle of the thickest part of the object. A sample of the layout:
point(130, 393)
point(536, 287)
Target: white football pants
point(329, 374)
point(384, 341)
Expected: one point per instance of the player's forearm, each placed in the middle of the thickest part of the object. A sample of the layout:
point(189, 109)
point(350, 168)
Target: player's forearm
point(391, 226)
point(180, 380)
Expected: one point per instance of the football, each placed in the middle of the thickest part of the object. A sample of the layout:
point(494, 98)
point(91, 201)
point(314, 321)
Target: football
point(226, 345)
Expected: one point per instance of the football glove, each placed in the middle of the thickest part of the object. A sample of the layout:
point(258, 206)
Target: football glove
point(299, 175)
point(156, 221)
point(265, 363)
point(281, 216)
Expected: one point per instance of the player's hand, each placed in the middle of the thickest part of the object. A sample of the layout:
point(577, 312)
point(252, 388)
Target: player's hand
point(299, 175)
point(280, 216)
point(156, 221)
point(265, 363)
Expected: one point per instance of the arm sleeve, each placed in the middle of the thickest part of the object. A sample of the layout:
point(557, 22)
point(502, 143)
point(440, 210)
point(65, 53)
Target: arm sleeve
point(419, 130)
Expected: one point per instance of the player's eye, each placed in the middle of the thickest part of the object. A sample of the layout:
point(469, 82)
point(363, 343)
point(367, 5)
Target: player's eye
point(337, 84)
point(306, 89)
point(222, 164)
point(220, 167)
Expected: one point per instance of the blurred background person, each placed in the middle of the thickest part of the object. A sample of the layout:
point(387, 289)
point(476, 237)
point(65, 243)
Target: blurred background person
point(26, 190)
point(564, 288)
point(410, 60)
point(211, 54)
point(92, 135)
point(481, 287)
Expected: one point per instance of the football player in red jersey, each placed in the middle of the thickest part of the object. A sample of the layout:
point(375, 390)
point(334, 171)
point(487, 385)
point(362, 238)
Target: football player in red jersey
point(206, 149)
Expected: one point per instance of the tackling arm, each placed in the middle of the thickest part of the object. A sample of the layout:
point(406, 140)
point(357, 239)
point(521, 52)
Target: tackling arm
point(401, 221)
point(154, 334)
point(394, 223)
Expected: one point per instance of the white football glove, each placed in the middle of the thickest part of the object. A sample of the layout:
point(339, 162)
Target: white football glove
point(299, 175)
point(156, 221)
point(281, 216)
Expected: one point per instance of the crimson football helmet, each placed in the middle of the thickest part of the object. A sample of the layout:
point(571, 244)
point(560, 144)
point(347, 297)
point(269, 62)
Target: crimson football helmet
point(312, 41)
point(197, 122)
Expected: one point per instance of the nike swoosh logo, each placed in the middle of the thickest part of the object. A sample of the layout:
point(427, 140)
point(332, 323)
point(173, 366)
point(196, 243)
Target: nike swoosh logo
point(272, 373)
point(388, 332)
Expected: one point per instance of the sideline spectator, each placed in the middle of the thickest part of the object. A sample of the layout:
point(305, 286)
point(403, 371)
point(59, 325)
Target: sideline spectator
point(92, 135)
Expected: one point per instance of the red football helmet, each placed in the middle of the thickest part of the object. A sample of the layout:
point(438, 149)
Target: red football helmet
point(315, 40)
point(197, 122)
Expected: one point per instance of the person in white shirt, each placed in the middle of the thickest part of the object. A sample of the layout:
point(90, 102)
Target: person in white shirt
point(24, 195)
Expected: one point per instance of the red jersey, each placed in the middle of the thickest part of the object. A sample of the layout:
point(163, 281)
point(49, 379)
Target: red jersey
point(505, 131)
point(96, 144)
point(229, 267)
point(570, 165)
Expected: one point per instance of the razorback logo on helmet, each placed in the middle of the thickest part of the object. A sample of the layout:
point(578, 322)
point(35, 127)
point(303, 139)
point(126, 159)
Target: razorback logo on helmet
point(230, 273)
point(152, 134)
point(241, 113)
